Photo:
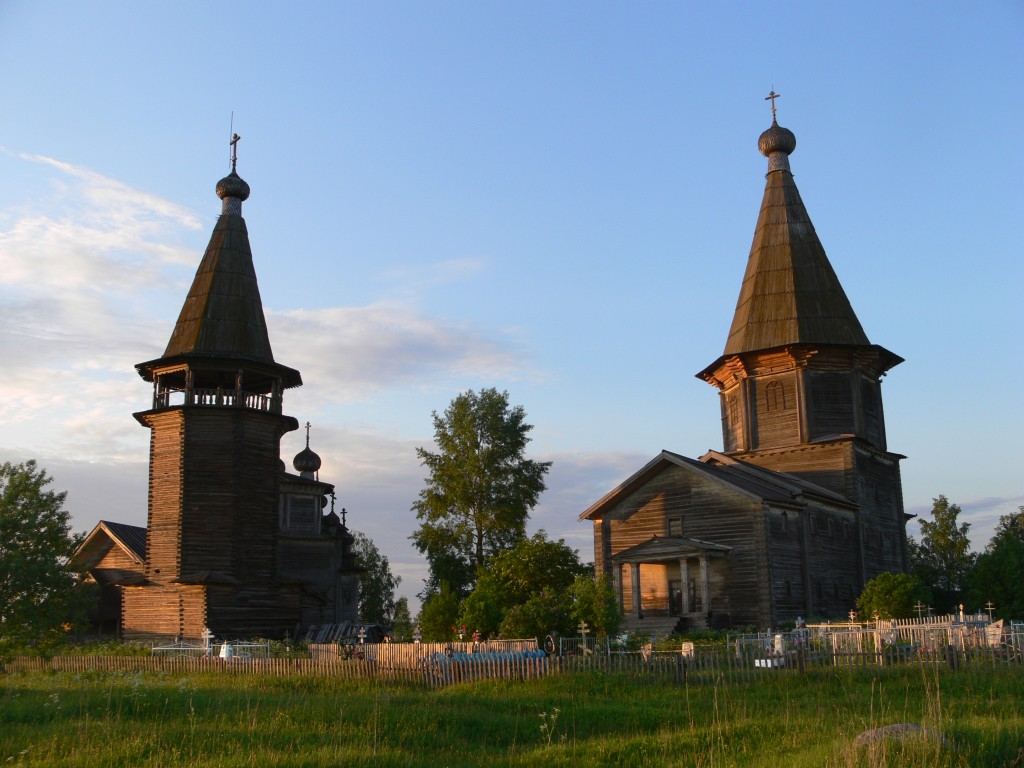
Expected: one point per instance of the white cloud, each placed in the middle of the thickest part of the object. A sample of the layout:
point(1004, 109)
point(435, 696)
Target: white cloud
point(348, 354)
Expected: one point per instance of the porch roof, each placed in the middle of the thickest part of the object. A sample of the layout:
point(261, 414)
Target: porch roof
point(668, 548)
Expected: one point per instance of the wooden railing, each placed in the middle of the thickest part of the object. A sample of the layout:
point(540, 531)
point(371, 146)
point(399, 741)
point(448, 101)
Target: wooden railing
point(166, 398)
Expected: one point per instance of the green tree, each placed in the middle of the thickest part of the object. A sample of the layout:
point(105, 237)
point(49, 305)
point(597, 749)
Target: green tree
point(376, 584)
point(998, 574)
point(594, 602)
point(943, 557)
point(439, 614)
point(401, 624)
point(892, 596)
point(528, 590)
point(37, 592)
point(1009, 528)
point(480, 488)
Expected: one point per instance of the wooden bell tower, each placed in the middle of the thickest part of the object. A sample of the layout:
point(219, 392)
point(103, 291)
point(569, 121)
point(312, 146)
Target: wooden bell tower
point(799, 382)
point(216, 424)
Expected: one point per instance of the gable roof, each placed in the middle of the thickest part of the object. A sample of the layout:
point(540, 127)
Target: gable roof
point(107, 534)
point(762, 485)
point(667, 548)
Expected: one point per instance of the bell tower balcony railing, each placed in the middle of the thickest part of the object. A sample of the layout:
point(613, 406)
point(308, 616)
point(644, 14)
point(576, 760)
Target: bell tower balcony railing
point(166, 396)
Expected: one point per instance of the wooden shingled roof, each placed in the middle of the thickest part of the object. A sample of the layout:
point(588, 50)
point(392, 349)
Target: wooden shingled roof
point(790, 293)
point(223, 314)
point(765, 485)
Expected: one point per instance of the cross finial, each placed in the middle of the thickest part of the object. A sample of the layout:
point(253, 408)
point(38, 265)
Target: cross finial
point(772, 97)
point(344, 515)
point(308, 425)
point(234, 150)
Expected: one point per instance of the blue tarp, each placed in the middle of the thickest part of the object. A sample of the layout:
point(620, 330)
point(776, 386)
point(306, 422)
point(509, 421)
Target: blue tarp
point(490, 656)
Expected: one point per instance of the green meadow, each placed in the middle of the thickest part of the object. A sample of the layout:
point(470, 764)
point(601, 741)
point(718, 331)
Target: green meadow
point(137, 719)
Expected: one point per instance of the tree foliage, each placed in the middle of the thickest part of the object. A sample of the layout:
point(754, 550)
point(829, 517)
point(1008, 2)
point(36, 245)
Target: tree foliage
point(943, 557)
point(439, 614)
point(376, 584)
point(892, 596)
point(998, 574)
point(480, 488)
point(37, 591)
point(401, 623)
point(536, 588)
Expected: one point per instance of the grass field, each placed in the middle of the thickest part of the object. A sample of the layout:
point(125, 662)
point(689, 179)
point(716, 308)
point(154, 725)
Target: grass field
point(142, 719)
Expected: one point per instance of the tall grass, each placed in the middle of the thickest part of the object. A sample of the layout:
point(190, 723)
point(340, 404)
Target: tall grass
point(586, 719)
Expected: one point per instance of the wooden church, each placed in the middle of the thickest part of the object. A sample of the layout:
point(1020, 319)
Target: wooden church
point(804, 504)
point(234, 544)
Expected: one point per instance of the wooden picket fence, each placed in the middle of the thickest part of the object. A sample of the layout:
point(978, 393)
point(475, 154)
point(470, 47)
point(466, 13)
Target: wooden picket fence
point(396, 663)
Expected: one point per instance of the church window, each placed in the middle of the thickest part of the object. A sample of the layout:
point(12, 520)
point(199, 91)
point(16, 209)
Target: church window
point(789, 589)
point(774, 396)
point(674, 526)
point(785, 521)
point(813, 523)
point(831, 527)
point(300, 514)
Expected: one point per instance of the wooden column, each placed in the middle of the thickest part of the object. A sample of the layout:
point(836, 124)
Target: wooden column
point(705, 582)
point(617, 586)
point(635, 573)
point(684, 572)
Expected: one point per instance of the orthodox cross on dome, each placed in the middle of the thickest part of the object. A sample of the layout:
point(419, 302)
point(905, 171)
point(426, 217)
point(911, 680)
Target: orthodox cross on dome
point(235, 138)
point(770, 97)
point(308, 425)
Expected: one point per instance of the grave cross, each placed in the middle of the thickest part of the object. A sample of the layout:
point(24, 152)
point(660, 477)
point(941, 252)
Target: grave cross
point(989, 607)
point(361, 634)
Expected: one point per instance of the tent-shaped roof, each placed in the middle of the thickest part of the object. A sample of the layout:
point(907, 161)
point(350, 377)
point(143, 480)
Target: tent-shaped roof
point(790, 293)
point(222, 318)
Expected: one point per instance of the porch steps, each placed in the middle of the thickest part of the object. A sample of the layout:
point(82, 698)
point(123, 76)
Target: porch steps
point(654, 626)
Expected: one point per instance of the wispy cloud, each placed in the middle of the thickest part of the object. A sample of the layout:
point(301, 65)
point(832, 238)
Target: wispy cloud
point(346, 354)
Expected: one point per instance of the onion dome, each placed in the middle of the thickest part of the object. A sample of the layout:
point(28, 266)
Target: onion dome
point(777, 143)
point(331, 522)
point(234, 186)
point(776, 139)
point(306, 460)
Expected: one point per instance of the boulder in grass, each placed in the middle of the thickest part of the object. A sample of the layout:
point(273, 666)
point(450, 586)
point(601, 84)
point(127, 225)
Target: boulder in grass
point(900, 732)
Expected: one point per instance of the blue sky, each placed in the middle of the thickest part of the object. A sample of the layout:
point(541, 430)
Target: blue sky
point(556, 199)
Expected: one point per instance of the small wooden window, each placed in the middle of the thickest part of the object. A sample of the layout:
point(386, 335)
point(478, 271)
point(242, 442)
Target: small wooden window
point(789, 589)
point(674, 526)
point(785, 521)
point(813, 523)
point(774, 396)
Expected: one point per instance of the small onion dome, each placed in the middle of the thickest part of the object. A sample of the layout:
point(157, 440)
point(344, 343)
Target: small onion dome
point(281, 465)
point(331, 520)
point(234, 186)
point(776, 139)
point(306, 460)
